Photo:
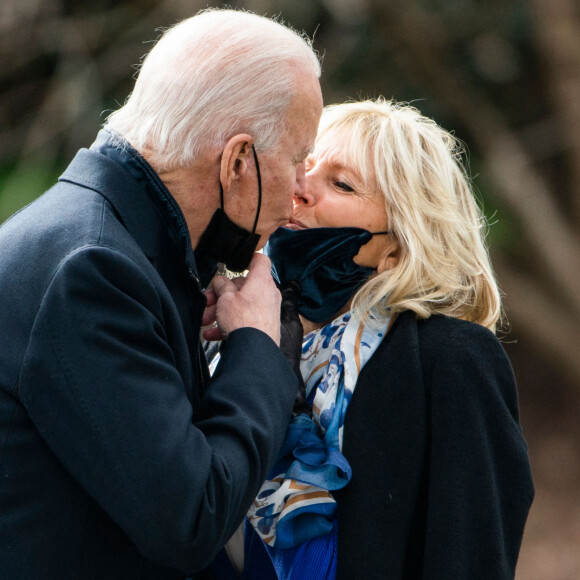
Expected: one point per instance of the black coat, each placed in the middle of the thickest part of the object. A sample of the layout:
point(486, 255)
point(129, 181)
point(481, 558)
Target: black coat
point(441, 484)
point(118, 458)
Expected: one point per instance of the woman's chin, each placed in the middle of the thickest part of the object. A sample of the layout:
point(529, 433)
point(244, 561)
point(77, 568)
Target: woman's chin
point(292, 226)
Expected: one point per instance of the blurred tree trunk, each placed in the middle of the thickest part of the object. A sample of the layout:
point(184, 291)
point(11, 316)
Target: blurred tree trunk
point(542, 302)
point(558, 40)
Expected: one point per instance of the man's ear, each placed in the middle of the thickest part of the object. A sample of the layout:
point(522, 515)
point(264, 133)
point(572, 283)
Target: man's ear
point(234, 162)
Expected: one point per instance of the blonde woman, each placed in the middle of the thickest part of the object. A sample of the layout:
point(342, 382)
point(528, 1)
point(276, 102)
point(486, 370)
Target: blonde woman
point(412, 463)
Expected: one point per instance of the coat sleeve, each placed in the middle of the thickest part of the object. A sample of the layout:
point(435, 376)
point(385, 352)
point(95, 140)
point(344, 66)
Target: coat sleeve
point(480, 487)
point(99, 380)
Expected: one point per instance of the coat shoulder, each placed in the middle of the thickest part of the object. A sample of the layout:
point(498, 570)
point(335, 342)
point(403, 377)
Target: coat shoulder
point(442, 338)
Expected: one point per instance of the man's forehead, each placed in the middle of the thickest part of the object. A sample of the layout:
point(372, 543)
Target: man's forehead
point(307, 102)
point(302, 133)
point(302, 119)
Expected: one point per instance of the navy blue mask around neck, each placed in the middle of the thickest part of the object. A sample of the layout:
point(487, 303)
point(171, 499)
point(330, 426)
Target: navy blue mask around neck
point(321, 261)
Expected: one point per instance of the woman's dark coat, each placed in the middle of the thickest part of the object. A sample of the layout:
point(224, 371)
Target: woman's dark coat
point(441, 484)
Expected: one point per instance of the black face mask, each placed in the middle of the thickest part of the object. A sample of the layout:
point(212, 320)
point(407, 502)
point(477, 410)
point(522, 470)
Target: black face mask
point(321, 261)
point(223, 241)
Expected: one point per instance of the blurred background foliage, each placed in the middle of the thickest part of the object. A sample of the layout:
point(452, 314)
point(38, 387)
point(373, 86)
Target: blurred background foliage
point(503, 75)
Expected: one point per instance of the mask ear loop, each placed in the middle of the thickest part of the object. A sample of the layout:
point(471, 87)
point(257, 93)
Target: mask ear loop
point(259, 189)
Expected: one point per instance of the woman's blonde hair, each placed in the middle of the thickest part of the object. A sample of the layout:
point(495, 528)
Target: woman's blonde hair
point(444, 265)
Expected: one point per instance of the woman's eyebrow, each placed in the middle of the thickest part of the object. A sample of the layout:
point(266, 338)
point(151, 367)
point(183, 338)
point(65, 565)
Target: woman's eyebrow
point(338, 164)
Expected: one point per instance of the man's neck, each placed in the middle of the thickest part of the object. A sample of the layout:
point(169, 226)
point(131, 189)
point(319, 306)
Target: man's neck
point(196, 191)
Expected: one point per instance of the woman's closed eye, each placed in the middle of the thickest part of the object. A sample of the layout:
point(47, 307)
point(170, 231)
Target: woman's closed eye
point(343, 186)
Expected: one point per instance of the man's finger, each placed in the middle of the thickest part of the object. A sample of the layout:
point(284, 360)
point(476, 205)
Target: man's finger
point(210, 296)
point(222, 285)
point(239, 282)
point(212, 333)
point(209, 315)
point(259, 273)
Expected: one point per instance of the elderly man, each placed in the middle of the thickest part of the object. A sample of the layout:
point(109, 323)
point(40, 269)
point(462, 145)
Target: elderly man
point(120, 458)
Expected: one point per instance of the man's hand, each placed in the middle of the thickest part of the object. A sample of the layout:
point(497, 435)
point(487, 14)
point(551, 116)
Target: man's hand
point(208, 319)
point(253, 301)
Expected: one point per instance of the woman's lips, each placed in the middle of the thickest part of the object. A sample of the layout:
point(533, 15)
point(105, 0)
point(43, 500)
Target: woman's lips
point(294, 224)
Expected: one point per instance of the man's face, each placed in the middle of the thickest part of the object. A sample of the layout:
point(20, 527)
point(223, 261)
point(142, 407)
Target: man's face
point(283, 171)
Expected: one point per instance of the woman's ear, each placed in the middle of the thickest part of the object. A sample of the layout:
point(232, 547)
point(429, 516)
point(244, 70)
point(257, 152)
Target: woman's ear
point(391, 256)
point(234, 162)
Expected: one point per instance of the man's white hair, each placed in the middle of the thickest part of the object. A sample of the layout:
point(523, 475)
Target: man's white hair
point(211, 76)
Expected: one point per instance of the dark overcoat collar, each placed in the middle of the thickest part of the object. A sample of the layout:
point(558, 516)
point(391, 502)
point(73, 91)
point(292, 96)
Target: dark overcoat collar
point(144, 205)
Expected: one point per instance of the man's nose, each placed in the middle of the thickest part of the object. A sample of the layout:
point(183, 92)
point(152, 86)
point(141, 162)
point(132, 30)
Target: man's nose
point(303, 194)
point(300, 187)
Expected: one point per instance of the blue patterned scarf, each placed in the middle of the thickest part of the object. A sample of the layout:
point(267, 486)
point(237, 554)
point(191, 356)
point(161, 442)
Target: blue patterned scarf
point(294, 512)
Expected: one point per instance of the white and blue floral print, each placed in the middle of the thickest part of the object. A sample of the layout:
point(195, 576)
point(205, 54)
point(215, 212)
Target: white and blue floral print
point(295, 508)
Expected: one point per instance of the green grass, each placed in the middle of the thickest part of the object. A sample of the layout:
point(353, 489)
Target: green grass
point(23, 183)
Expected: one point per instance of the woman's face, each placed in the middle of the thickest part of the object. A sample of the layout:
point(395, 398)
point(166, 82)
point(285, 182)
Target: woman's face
point(335, 196)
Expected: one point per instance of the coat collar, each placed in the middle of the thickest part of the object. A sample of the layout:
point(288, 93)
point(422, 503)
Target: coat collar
point(112, 168)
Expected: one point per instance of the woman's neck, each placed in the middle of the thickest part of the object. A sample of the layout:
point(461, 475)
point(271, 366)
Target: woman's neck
point(310, 326)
